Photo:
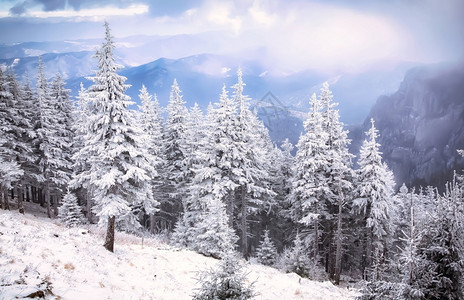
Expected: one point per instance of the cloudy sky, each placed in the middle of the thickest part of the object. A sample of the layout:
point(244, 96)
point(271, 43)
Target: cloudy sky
point(332, 34)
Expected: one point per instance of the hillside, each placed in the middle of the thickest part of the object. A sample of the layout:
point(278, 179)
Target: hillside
point(41, 254)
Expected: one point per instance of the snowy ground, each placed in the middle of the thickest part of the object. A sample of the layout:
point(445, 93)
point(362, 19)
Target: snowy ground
point(37, 253)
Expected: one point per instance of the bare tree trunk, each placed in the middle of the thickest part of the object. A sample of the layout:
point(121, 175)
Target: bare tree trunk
point(109, 239)
point(243, 223)
point(56, 203)
point(338, 238)
point(6, 203)
point(152, 223)
point(230, 208)
point(316, 233)
point(20, 192)
point(88, 206)
point(47, 197)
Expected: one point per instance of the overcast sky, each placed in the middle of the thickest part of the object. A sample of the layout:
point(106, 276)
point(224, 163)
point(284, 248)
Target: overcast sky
point(346, 35)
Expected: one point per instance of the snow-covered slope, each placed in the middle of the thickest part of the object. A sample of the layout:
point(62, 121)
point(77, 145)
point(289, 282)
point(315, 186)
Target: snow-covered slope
point(38, 254)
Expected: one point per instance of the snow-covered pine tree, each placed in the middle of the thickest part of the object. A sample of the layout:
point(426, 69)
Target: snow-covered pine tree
point(340, 177)
point(174, 147)
point(63, 113)
point(297, 260)
point(251, 160)
point(70, 213)
point(53, 139)
point(13, 131)
point(227, 281)
point(375, 191)
point(212, 233)
point(310, 185)
point(440, 272)
point(24, 135)
point(82, 111)
point(119, 171)
point(195, 141)
point(150, 121)
point(266, 253)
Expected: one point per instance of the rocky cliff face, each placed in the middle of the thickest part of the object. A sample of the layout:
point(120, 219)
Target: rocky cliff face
point(422, 125)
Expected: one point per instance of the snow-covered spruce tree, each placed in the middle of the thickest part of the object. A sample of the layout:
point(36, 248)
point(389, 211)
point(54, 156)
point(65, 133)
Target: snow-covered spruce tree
point(150, 121)
point(212, 232)
point(70, 213)
point(82, 111)
point(174, 147)
point(296, 260)
point(228, 281)
point(440, 272)
point(310, 184)
point(251, 161)
point(63, 111)
point(194, 146)
point(119, 171)
point(53, 139)
point(375, 191)
point(23, 143)
point(340, 177)
point(213, 236)
point(266, 253)
point(9, 118)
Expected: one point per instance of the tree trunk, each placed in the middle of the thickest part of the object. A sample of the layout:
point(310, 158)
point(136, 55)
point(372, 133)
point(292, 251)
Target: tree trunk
point(20, 192)
point(316, 233)
point(40, 197)
point(230, 209)
point(56, 203)
point(109, 239)
point(338, 239)
point(47, 198)
point(6, 203)
point(88, 206)
point(243, 223)
point(28, 193)
point(152, 223)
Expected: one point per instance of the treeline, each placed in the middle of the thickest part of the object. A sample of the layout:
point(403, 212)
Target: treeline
point(215, 182)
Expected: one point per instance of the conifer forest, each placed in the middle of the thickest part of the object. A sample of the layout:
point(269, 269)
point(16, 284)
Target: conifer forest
point(214, 182)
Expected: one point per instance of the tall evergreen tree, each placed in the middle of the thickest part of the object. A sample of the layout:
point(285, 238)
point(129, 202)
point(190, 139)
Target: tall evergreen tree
point(310, 184)
point(174, 147)
point(193, 148)
point(54, 140)
point(150, 121)
point(212, 187)
point(24, 135)
point(119, 171)
point(375, 190)
point(16, 131)
point(251, 161)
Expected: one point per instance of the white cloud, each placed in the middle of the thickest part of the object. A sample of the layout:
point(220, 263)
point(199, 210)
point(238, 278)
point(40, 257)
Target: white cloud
point(220, 13)
point(108, 11)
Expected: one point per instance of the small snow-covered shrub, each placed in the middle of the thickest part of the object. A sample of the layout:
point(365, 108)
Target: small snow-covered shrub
point(296, 260)
point(228, 281)
point(70, 212)
point(266, 252)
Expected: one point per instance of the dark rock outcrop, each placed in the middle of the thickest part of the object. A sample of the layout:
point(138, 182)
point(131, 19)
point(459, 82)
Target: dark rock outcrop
point(422, 125)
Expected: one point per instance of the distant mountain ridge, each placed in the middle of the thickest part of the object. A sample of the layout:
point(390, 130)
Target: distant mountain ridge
point(200, 75)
